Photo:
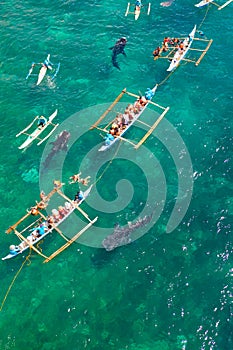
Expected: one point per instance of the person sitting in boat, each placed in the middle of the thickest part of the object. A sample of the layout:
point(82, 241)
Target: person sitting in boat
point(68, 206)
point(50, 221)
point(55, 215)
point(142, 100)
point(62, 211)
point(125, 121)
point(79, 196)
point(41, 122)
point(181, 46)
point(47, 64)
point(14, 249)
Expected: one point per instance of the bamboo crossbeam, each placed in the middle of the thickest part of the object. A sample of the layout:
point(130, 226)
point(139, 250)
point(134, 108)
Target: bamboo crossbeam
point(199, 39)
point(29, 244)
point(200, 50)
point(108, 110)
point(152, 128)
point(72, 240)
point(123, 139)
point(33, 223)
point(54, 227)
point(204, 52)
point(75, 205)
point(49, 134)
point(156, 104)
point(139, 121)
point(17, 223)
point(224, 5)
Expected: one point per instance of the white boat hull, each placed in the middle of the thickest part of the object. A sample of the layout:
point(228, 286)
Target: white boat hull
point(203, 3)
point(37, 132)
point(42, 72)
point(178, 57)
point(137, 13)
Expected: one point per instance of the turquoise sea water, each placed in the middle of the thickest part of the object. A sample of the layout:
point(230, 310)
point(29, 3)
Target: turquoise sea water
point(163, 288)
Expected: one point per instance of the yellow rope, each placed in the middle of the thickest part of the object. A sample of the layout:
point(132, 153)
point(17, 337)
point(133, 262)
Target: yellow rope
point(207, 9)
point(13, 281)
point(164, 80)
point(108, 165)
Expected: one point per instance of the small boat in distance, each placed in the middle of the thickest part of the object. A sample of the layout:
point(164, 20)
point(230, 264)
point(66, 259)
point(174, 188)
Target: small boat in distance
point(42, 124)
point(182, 51)
point(203, 3)
point(47, 64)
point(138, 6)
point(207, 2)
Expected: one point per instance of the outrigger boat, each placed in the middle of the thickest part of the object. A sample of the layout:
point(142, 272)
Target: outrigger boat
point(128, 118)
point(137, 9)
point(47, 64)
point(181, 53)
point(45, 226)
point(208, 2)
point(40, 128)
point(176, 49)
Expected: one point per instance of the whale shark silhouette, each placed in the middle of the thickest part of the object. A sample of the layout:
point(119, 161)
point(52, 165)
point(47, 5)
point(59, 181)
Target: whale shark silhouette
point(117, 49)
point(60, 144)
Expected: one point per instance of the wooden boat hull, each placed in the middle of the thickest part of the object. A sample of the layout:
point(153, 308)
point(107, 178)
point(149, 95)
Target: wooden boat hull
point(203, 3)
point(85, 195)
point(37, 132)
point(106, 147)
point(178, 57)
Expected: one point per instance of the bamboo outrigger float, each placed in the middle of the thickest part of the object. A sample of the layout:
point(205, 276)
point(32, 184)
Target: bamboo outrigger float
point(208, 2)
point(176, 50)
point(42, 225)
point(123, 121)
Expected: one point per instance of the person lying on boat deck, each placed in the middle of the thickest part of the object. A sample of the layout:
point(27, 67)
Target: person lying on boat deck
point(14, 249)
point(156, 52)
point(79, 196)
point(41, 122)
point(149, 94)
point(108, 139)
